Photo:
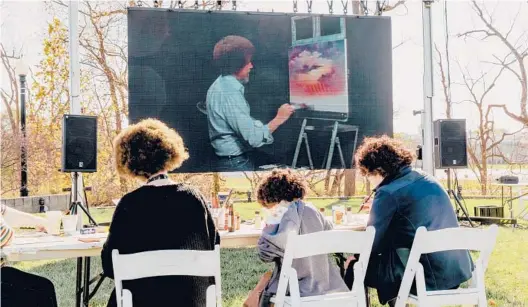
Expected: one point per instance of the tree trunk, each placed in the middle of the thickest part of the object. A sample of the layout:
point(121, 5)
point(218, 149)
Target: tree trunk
point(350, 182)
point(216, 183)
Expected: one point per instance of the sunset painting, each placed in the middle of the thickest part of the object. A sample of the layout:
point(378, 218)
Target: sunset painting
point(318, 78)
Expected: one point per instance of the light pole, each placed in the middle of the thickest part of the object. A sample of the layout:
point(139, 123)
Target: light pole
point(427, 114)
point(22, 72)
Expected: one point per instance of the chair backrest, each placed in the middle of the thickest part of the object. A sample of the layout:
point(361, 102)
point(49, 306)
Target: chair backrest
point(426, 242)
point(326, 242)
point(167, 263)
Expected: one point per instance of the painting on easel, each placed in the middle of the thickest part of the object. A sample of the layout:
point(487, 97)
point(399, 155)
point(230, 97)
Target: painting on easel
point(318, 78)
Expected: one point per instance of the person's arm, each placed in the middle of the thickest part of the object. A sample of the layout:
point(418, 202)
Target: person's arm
point(115, 232)
point(272, 242)
point(383, 209)
point(16, 219)
point(283, 114)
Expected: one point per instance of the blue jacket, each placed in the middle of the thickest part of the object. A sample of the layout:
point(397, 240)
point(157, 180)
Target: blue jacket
point(404, 202)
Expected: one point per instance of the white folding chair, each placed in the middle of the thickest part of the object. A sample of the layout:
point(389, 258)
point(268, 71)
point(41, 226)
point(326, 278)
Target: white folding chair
point(426, 242)
point(319, 243)
point(167, 263)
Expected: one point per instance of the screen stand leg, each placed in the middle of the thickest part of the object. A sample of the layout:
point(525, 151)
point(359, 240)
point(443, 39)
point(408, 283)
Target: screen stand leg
point(332, 146)
point(303, 136)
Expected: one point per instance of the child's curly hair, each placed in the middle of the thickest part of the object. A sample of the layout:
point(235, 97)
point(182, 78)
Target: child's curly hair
point(281, 185)
point(383, 156)
point(147, 148)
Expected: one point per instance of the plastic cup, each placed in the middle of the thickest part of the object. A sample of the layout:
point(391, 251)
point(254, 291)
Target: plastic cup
point(54, 221)
point(69, 224)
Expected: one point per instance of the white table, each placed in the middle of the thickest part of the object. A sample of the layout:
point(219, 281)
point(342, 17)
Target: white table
point(39, 246)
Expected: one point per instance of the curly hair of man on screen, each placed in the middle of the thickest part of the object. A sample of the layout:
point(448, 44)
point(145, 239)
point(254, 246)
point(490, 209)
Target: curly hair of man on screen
point(232, 53)
point(147, 148)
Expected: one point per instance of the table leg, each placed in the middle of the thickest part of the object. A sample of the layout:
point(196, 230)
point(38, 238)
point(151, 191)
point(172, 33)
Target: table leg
point(78, 281)
point(86, 286)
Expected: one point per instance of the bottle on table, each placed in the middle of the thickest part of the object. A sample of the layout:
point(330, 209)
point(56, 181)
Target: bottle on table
point(238, 220)
point(258, 220)
point(214, 200)
point(349, 215)
point(221, 218)
point(232, 218)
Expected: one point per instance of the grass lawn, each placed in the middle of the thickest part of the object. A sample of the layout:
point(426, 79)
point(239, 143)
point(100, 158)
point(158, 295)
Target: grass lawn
point(506, 278)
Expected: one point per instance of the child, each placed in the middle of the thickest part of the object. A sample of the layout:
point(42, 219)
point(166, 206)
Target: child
point(317, 274)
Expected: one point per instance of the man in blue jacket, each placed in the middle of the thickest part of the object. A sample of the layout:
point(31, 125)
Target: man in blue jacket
point(405, 200)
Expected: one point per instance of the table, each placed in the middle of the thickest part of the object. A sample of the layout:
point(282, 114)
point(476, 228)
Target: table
point(510, 200)
point(40, 246)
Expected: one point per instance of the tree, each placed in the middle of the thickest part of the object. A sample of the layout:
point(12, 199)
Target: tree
point(49, 102)
point(513, 62)
point(483, 144)
point(9, 122)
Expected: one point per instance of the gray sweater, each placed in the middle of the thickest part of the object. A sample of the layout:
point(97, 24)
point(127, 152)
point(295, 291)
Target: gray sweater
point(317, 274)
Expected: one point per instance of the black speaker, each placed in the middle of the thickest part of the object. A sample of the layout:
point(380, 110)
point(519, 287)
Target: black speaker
point(450, 143)
point(79, 143)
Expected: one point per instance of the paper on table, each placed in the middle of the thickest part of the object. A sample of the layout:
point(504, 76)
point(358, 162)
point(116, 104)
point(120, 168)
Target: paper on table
point(29, 240)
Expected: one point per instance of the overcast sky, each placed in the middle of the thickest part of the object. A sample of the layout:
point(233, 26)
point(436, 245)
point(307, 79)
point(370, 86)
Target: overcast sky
point(24, 24)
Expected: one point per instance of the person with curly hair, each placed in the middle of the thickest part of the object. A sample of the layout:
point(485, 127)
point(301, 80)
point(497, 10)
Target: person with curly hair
point(160, 215)
point(317, 274)
point(405, 199)
point(233, 133)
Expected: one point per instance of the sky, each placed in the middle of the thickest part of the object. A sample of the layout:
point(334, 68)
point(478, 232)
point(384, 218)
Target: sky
point(24, 24)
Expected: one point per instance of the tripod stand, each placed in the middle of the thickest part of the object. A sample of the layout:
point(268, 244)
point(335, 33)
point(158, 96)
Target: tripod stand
point(76, 204)
point(457, 196)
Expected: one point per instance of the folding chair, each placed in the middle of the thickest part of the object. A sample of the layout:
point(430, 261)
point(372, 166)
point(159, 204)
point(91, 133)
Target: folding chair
point(319, 243)
point(167, 263)
point(425, 242)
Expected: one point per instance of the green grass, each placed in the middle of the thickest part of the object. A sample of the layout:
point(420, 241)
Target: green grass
point(506, 278)
point(247, 210)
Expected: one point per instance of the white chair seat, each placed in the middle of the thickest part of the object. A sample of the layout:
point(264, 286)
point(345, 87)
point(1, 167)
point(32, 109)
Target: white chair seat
point(448, 297)
point(340, 299)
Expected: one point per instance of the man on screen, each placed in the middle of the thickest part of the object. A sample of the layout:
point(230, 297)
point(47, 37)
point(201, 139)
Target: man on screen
point(232, 131)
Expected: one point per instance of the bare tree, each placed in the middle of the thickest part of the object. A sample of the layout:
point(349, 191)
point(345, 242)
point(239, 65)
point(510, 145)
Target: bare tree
point(514, 61)
point(483, 144)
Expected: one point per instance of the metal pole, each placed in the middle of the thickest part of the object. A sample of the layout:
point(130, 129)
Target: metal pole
point(23, 148)
point(75, 85)
point(427, 116)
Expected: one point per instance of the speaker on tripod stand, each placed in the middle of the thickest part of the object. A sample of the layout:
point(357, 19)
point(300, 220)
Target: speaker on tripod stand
point(79, 154)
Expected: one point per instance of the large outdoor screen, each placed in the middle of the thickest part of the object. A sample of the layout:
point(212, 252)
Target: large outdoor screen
point(227, 82)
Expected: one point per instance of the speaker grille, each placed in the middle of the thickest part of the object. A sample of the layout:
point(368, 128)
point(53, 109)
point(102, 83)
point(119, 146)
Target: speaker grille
point(79, 143)
point(450, 144)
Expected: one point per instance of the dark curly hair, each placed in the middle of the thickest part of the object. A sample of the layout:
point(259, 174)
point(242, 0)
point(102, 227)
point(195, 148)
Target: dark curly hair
point(232, 53)
point(147, 148)
point(383, 156)
point(281, 185)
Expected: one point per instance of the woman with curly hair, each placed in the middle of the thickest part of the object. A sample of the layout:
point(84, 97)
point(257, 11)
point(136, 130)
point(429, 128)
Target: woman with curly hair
point(404, 200)
point(317, 274)
point(160, 215)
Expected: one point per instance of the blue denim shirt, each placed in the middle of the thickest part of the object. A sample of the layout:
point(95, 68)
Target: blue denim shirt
point(404, 202)
point(232, 130)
